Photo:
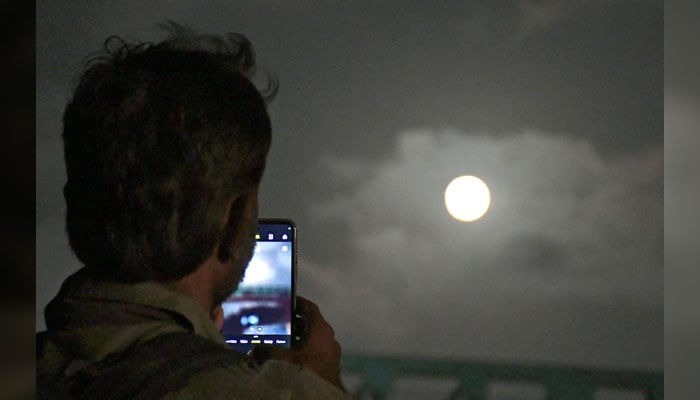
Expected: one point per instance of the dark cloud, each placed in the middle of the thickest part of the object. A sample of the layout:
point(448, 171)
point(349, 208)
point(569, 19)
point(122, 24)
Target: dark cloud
point(568, 235)
point(534, 254)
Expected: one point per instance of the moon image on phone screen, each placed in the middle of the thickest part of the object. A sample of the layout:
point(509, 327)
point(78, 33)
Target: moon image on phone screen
point(260, 310)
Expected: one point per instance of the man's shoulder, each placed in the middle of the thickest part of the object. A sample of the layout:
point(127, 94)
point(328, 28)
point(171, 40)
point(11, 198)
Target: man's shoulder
point(171, 360)
point(214, 372)
point(149, 370)
point(186, 366)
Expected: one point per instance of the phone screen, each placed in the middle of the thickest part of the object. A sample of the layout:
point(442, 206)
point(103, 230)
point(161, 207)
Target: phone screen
point(260, 311)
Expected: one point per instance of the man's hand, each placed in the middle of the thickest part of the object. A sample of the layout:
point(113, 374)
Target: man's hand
point(319, 352)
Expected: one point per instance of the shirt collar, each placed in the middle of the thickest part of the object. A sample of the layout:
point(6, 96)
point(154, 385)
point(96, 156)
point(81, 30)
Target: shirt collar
point(159, 295)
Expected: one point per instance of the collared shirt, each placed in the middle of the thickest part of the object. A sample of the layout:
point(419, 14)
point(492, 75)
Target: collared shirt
point(128, 340)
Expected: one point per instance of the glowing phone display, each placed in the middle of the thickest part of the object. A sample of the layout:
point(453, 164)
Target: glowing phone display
point(260, 311)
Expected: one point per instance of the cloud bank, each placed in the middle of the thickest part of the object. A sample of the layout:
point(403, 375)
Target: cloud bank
point(569, 254)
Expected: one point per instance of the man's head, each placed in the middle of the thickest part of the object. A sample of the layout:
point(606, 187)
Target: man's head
point(165, 145)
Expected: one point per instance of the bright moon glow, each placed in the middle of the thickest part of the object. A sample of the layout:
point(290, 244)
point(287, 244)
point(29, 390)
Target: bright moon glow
point(467, 198)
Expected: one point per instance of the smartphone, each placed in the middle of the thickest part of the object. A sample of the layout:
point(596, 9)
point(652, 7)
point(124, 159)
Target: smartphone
point(261, 310)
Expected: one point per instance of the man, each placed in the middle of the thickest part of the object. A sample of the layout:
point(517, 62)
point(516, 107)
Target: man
point(165, 147)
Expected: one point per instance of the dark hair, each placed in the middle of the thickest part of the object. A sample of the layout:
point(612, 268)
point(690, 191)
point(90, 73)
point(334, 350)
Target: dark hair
point(158, 140)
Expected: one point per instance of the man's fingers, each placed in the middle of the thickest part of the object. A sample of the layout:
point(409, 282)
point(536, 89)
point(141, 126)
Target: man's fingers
point(310, 312)
point(307, 307)
point(319, 352)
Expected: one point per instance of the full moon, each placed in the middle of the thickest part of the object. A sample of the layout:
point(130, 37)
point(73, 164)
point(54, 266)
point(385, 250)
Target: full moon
point(467, 198)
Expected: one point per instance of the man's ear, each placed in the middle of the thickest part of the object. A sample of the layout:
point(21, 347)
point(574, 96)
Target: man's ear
point(233, 228)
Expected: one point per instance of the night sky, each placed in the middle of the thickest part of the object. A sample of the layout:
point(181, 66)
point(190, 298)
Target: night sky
point(558, 106)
